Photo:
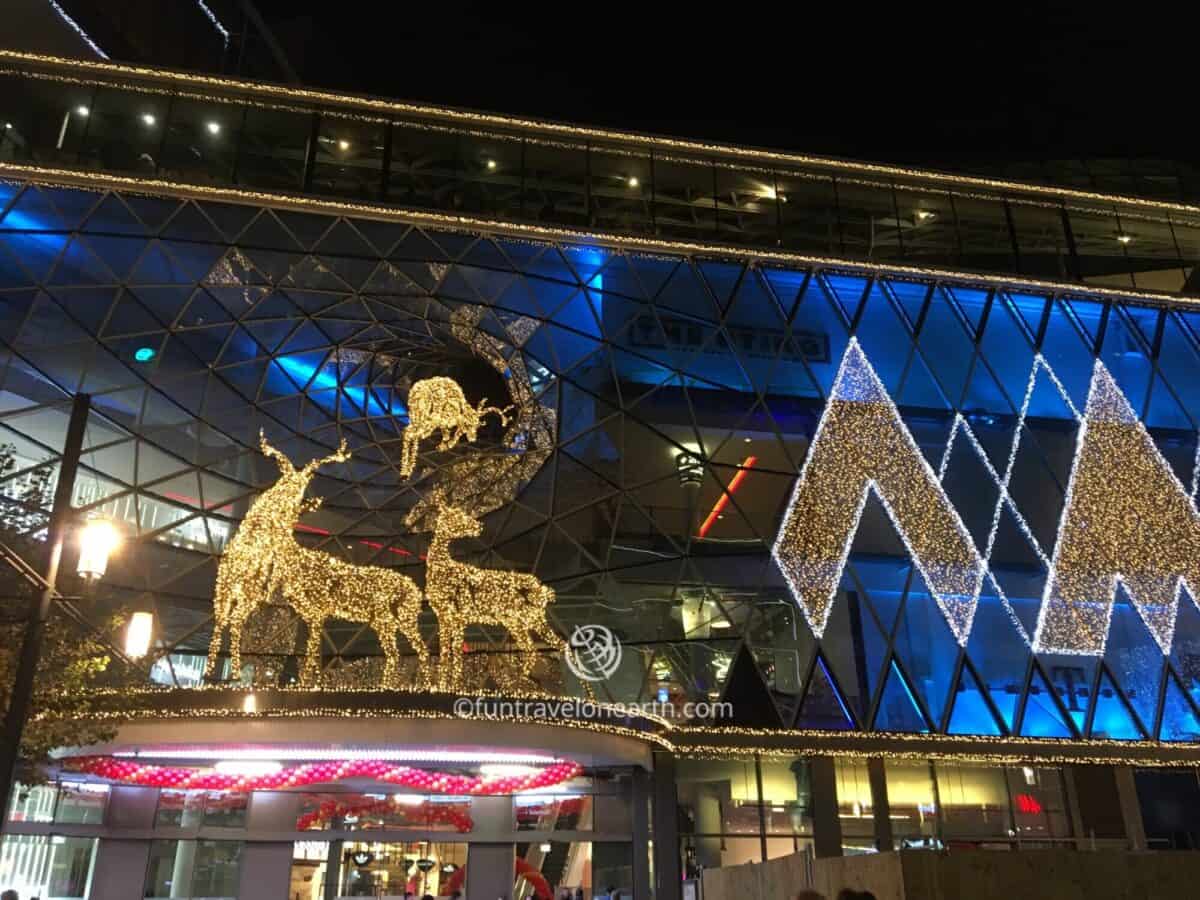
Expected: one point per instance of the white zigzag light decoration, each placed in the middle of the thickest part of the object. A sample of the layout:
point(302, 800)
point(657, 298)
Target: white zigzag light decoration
point(861, 445)
point(1128, 519)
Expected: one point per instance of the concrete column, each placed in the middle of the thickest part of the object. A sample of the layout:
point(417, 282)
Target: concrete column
point(641, 833)
point(827, 827)
point(120, 870)
point(667, 869)
point(1131, 809)
point(880, 807)
point(266, 870)
point(490, 871)
point(184, 868)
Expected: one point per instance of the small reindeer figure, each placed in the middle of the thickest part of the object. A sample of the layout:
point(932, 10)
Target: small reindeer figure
point(438, 404)
point(463, 595)
point(264, 557)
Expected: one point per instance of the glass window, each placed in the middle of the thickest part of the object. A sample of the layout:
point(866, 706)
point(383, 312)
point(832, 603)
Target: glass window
point(927, 222)
point(1041, 241)
point(621, 190)
point(32, 803)
point(43, 120)
point(368, 812)
point(1100, 245)
point(424, 167)
point(1039, 802)
point(712, 852)
point(747, 211)
point(201, 141)
point(179, 809)
point(912, 802)
point(1153, 254)
point(684, 205)
point(125, 131)
point(55, 867)
point(809, 213)
point(556, 188)
point(717, 797)
point(974, 801)
point(374, 869)
point(273, 147)
point(983, 235)
point(349, 158)
point(787, 796)
point(870, 226)
point(184, 869)
point(490, 173)
point(81, 803)
point(553, 813)
point(855, 806)
point(225, 809)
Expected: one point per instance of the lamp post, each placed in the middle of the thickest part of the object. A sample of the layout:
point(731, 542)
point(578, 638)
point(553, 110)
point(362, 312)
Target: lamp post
point(31, 646)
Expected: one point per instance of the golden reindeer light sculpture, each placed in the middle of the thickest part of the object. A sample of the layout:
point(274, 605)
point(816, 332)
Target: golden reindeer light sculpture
point(264, 556)
point(462, 595)
point(438, 404)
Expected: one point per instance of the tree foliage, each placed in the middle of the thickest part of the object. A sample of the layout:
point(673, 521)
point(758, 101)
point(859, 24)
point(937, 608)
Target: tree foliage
point(73, 660)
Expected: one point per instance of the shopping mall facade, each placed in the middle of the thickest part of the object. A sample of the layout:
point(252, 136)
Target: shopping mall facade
point(883, 480)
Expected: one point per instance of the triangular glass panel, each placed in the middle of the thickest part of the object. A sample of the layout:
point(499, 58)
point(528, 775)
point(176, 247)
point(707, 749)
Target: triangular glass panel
point(847, 290)
point(1179, 721)
point(1185, 653)
point(947, 346)
point(926, 647)
point(884, 339)
point(969, 711)
point(823, 707)
point(1127, 359)
point(1134, 658)
point(1043, 718)
point(898, 708)
point(1112, 718)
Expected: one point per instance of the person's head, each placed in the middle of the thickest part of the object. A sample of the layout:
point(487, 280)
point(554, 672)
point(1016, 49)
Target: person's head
point(9, 895)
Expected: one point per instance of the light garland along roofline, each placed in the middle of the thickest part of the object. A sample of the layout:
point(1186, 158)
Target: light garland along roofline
point(475, 118)
point(96, 181)
point(688, 741)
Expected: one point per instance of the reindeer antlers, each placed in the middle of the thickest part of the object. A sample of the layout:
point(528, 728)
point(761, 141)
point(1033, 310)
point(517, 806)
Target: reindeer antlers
point(339, 455)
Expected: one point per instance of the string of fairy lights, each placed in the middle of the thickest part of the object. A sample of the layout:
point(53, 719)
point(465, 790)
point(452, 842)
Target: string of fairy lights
point(1126, 521)
point(862, 445)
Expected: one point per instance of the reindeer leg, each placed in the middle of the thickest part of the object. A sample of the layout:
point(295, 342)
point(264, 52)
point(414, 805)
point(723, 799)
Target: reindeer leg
point(385, 630)
point(214, 649)
point(520, 634)
point(235, 646)
point(312, 653)
point(450, 640)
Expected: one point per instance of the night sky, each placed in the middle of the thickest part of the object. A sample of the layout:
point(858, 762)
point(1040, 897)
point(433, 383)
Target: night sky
point(909, 84)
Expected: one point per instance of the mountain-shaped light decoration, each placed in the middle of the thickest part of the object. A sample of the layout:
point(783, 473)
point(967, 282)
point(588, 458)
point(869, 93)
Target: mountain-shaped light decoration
point(862, 445)
point(1126, 517)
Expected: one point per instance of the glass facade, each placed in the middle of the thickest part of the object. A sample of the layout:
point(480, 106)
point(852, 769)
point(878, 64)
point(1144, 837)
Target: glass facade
point(195, 325)
point(446, 162)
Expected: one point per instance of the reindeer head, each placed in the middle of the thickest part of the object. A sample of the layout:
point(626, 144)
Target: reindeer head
point(285, 498)
point(453, 522)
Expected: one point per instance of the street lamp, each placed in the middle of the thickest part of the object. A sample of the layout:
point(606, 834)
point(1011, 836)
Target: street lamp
point(97, 539)
point(138, 633)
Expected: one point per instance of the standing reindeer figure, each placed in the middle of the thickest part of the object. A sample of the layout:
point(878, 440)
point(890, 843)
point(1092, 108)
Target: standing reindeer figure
point(264, 556)
point(438, 404)
point(463, 595)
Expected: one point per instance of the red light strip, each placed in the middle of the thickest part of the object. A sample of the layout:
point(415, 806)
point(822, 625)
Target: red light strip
point(127, 772)
point(723, 500)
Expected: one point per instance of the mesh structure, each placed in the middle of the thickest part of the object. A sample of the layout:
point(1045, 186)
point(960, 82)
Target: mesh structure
point(670, 404)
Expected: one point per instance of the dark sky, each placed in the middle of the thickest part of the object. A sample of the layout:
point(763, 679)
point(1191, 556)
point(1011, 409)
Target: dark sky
point(904, 82)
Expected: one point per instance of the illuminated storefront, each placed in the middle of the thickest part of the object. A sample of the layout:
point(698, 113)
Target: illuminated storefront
point(856, 450)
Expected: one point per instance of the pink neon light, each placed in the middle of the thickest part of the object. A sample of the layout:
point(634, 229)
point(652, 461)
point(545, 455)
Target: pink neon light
point(723, 500)
point(129, 772)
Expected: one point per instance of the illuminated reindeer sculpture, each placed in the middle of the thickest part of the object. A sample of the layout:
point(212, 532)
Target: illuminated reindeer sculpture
point(264, 556)
point(438, 404)
point(463, 595)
